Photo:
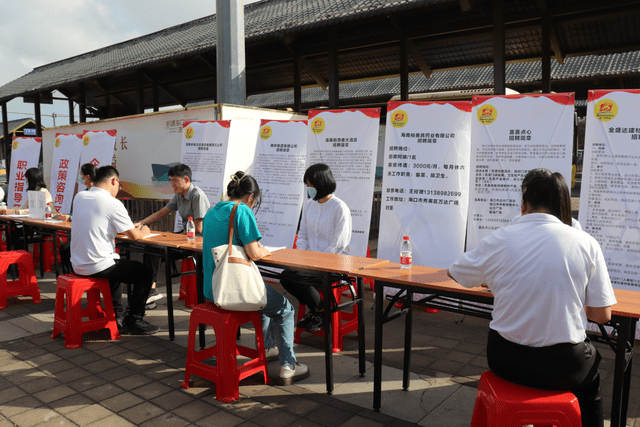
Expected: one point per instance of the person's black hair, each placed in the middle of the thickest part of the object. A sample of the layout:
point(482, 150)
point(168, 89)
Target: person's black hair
point(320, 176)
point(89, 169)
point(535, 173)
point(105, 173)
point(551, 193)
point(35, 179)
point(241, 185)
point(180, 171)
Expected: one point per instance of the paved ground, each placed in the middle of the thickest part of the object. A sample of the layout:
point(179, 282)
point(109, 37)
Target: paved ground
point(136, 380)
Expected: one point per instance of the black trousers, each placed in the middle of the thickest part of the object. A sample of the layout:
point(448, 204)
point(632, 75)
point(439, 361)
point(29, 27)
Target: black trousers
point(566, 366)
point(131, 272)
point(304, 287)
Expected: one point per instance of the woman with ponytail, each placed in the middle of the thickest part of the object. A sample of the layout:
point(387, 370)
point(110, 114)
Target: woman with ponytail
point(547, 280)
point(278, 315)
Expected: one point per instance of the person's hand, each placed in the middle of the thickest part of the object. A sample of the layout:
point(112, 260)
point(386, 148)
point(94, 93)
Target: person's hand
point(62, 217)
point(137, 224)
point(3, 211)
point(145, 230)
point(265, 251)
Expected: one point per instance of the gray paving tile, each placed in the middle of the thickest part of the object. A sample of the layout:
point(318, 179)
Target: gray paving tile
point(40, 384)
point(172, 400)
point(195, 410)
point(132, 381)
point(358, 421)
point(34, 417)
point(142, 413)
point(51, 394)
point(86, 383)
point(167, 419)
point(18, 406)
point(112, 421)
point(89, 414)
point(220, 419)
point(71, 403)
point(120, 402)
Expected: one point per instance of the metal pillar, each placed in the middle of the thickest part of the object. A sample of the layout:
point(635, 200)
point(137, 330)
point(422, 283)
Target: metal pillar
point(72, 118)
point(156, 99)
point(230, 56)
point(5, 132)
point(499, 65)
point(38, 115)
point(297, 85)
point(82, 104)
point(404, 70)
point(334, 79)
point(546, 53)
point(139, 92)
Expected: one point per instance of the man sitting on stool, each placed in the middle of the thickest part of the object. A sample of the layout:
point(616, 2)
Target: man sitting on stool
point(98, 217)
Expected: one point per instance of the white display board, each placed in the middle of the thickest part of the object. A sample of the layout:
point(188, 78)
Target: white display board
point(37, 202)
point(610, 189)
point(147, 145)
point(347, 141)
point(64, 170)
point(510, 135)
point(204, 149)
point(425, 186)
point(25, 152)
point(98, 147)
point(278, 167)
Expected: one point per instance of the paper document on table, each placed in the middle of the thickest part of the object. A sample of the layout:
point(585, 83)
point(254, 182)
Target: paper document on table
point(274, 248)
point(151, 235)
point(19, 215)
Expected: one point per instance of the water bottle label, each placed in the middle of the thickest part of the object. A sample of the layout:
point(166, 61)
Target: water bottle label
point(191, 234)
point(405, 260)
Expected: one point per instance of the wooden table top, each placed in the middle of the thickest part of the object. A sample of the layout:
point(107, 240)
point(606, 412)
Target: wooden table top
point(164, 238)
point(427, 277)
point(319, 261)
point(436, 278)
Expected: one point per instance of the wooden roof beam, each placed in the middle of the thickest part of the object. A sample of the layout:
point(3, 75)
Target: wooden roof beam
point(411, 48)
point(164, 88)
point(101, 86)
point(306, 65)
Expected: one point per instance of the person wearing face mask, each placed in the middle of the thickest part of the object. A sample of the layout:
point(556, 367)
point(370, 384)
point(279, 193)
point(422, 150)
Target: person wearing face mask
point(35, 182)
point(325, 226)
point(278, 315)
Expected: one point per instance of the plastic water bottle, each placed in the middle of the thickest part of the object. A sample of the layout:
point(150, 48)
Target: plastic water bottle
point(191, 230)
point(47, 213)
point(405, 253)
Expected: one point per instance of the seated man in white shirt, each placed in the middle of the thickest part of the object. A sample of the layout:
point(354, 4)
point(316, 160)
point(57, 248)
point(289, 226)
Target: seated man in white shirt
point(98, 217)
point(547, 279)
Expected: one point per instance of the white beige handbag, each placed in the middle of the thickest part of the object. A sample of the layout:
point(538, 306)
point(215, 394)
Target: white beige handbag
point(236, 281)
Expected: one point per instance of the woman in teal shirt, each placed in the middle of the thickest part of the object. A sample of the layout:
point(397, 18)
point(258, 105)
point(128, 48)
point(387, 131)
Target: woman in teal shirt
point(278, 315)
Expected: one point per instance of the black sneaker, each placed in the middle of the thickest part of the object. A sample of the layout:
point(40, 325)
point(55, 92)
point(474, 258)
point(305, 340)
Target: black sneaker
point(150, 306)
point(139, 327)
point(154, 295)
point(304, 322)
point(316, 323)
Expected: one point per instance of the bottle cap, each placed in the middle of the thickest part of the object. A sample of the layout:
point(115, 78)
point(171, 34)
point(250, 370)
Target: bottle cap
point(405, 238)
point(190, 218)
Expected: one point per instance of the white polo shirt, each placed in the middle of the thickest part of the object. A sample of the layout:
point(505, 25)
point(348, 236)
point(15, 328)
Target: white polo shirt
point(98, 217)
point(542, 274)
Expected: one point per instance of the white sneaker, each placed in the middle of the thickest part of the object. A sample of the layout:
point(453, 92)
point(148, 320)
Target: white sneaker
point(291, 373)
point(272, 354)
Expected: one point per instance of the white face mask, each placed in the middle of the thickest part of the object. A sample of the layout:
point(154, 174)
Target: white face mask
point(311, 192)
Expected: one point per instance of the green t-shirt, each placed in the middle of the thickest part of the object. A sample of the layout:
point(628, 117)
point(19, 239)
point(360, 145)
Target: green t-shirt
point(215, 232)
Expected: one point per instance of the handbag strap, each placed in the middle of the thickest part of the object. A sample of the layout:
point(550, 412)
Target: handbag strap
point(231, 222)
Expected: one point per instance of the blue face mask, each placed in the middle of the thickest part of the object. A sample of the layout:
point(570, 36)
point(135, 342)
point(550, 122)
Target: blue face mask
point(311, 192)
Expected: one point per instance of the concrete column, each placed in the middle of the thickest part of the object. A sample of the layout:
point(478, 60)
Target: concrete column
point(72, 118)
point(499, 64)
point(230, 56)
point(82, 104)
point(37, 113)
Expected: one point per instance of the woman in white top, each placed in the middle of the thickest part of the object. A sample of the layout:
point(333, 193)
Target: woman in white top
point(325, 226)
point(35, 182)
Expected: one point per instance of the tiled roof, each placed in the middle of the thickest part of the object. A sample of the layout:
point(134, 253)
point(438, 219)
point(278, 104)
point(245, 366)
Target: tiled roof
point(593, 66)
point(264, 18)
point(14, 124)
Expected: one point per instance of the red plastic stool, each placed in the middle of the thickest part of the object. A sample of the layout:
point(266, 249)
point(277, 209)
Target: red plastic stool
point(342, 322)
point(47, 249)
point(70, 288)
point(500, 403)
point(226, 374)
point(188, 284)
point(5, 238)
point(27, 284)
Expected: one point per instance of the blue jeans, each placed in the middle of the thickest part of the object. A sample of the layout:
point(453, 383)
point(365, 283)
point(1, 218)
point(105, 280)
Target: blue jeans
point(278, 324)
